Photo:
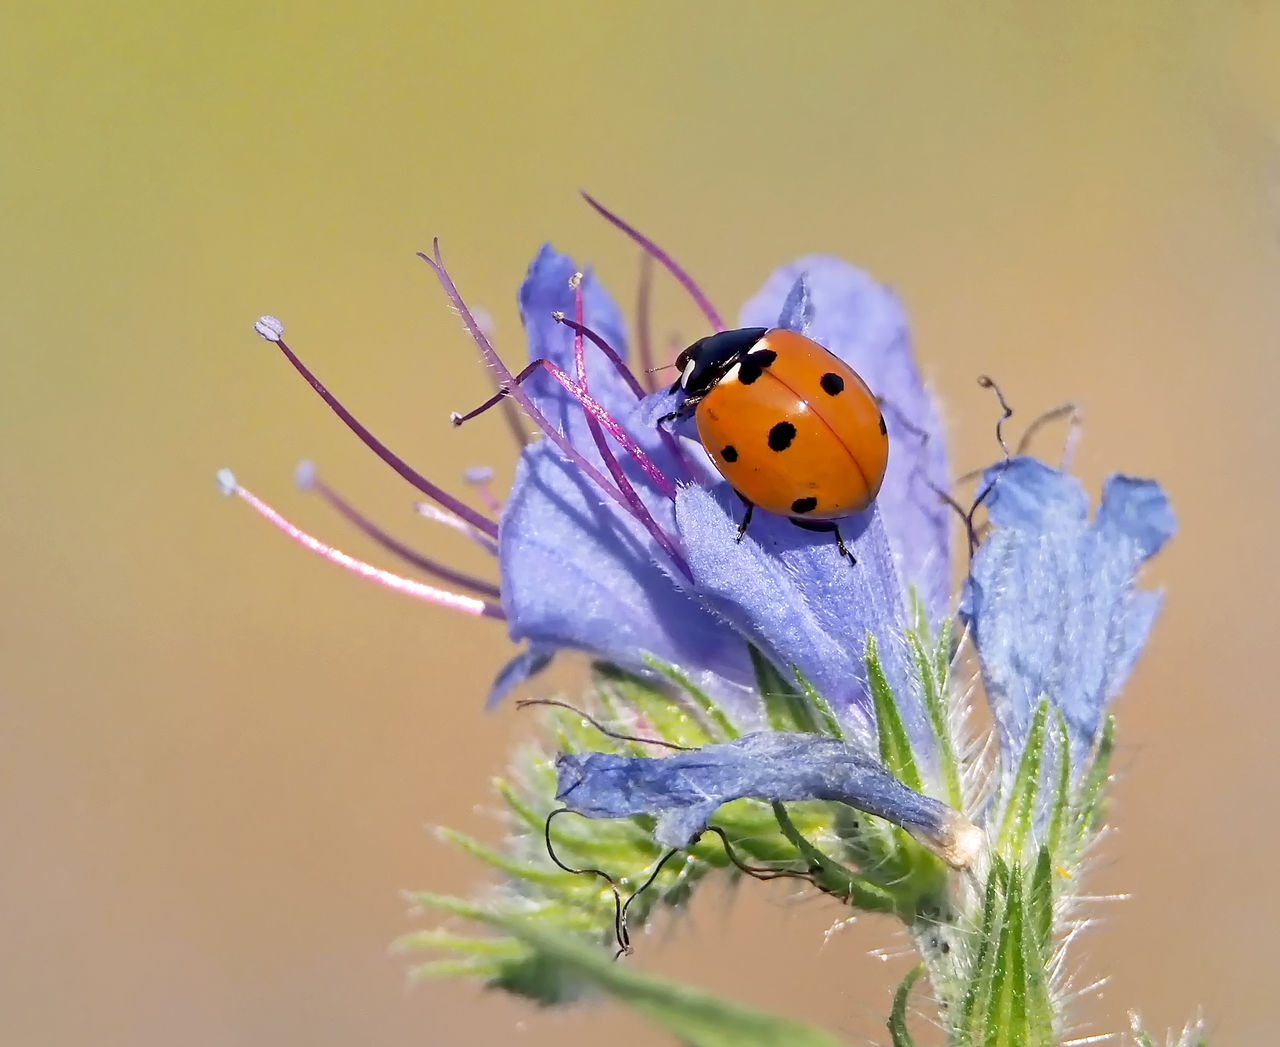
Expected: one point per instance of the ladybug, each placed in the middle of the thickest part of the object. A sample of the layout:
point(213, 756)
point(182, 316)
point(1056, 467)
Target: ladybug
point(789, 425)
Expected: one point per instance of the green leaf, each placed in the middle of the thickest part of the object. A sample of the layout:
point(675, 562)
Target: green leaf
point(785, 707)
point(895, 748)
point(694, 1017)
point(1021, 806)
point(898, 1019)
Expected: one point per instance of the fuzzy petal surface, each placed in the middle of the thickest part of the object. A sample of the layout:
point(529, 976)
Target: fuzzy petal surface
point(576, 573)
point(791, 593)
point(1051, 599)
point(684, 790)
point(843, 309)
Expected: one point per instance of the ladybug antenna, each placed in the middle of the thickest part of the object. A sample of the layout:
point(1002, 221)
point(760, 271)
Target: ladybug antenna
point(525, 703)
point(663, 367)
point(619, 924)
point(644, 295)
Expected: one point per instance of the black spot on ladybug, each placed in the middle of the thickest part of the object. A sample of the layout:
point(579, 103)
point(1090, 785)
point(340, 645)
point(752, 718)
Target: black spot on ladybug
point(781, 435)
point(804, 505)
point(832, 384)
point(753, 365)
point(884, 429)
point(729, 454)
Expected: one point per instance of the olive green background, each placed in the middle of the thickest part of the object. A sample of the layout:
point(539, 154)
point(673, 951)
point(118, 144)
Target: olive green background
point(218, 755)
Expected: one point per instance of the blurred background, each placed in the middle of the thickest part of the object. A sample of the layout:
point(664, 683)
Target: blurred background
point(220, 757)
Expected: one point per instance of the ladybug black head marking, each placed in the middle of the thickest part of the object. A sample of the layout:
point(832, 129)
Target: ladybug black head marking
point(708, 360)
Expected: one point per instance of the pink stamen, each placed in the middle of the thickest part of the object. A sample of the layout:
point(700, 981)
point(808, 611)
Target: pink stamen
point(443, 516)
point(307, 480)
point(271, 329)
point(514, 389)
point(580, 329)
point(664, 259)
point(592, 407)
point(420, 591)
point(638, 508)
point(644, 339)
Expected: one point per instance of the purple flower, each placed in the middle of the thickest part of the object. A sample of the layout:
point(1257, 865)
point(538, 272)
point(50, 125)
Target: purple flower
point(618, 539)
point(1051, 598)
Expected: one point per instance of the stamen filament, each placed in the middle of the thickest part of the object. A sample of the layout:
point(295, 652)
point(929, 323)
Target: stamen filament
point(594, 410)
point(306, 479)
point(476, 519)
point(443, 516)
point(419, 590)
point(638, 508)
point(664, 259)
point(493, 360)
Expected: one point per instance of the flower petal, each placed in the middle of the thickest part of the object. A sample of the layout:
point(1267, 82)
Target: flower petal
point(576, 573)
point(1051, 600)
point(684, 790)
point(546, 291)
point(792, 595)
point(845, 310)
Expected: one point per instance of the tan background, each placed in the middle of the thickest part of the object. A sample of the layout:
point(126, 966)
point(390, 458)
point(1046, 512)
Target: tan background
point(217, 755)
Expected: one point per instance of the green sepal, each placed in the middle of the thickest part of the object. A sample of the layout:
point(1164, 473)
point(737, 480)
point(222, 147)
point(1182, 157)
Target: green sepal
point(932, 672)
point(1040, 904)
point(1062, 795)
point(624, 696)
point(785, 707)
point(719, 724)
point(832, 876)
point(1021, 806)
point(984, 964)
point(694, 1017)
point(828, 722)
point(895, 748)
point(1092, 794)
point(898, 1017)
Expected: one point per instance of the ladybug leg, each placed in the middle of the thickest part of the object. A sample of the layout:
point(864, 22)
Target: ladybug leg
point(686, 408)
point(746, 519)
point(827, 527)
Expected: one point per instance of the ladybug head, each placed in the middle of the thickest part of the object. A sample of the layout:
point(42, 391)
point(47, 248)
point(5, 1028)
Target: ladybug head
point(705, 362)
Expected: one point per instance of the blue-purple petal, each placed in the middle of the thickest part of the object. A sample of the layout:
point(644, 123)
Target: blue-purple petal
point(1051, 599)
point(529, 662)
point(684, 790)
point(791, 593)
point(578, 573)
point(845, 310)
point(546, 291)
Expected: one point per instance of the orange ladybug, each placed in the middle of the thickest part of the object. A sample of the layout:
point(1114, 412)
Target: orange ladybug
point(790, 426)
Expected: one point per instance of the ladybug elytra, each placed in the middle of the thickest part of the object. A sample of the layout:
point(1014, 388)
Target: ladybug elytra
point(790, 426)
